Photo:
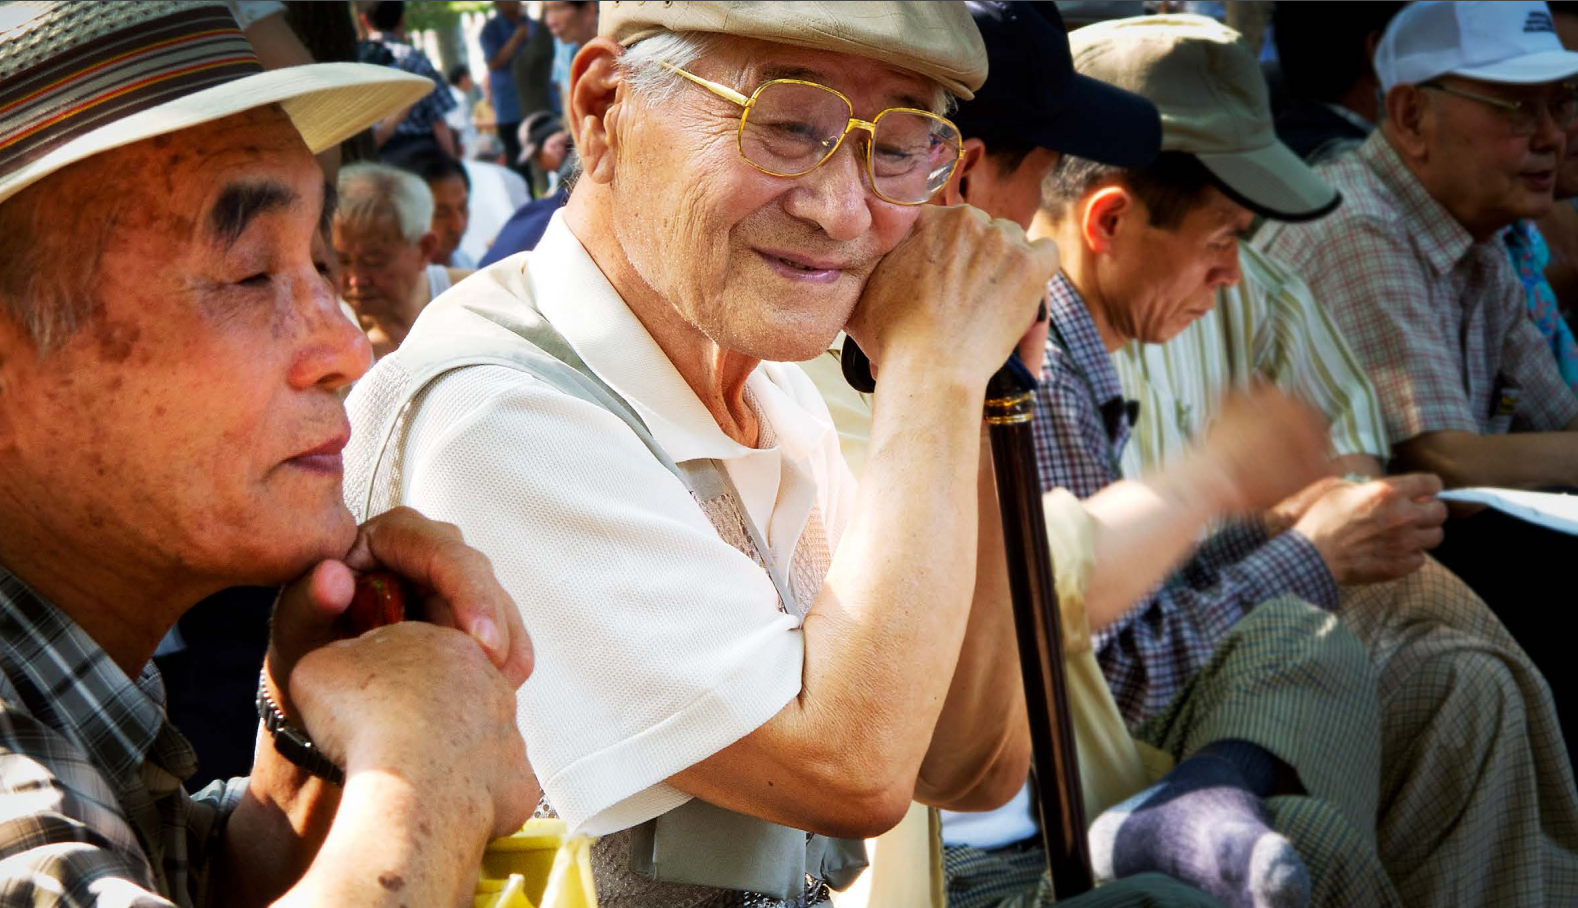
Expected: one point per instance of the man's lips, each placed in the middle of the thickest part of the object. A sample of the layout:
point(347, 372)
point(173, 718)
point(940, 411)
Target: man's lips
point(1539, 179)
point(324, 458)
point(802, 267)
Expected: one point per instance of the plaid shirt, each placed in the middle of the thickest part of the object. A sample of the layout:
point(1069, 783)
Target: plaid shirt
point(420, 118)
point(1081, 426)
point(91, 806)
point(1439, 320)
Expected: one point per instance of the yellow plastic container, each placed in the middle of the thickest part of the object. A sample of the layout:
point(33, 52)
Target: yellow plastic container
point(538, 867)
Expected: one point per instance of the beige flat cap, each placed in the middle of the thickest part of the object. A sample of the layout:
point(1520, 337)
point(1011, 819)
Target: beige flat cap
point(1213, 100)
point(936, 39)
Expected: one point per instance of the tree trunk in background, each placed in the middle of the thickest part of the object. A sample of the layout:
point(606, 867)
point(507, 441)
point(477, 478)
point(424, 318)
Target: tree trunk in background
point(329, 32)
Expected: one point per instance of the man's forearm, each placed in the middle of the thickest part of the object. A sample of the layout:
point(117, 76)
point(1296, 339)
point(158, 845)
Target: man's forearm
point(395, 843)
point(980, 749)
point(882, 638)
point(1522, 460)
point(1143, 530)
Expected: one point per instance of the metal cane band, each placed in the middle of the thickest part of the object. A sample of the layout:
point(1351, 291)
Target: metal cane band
point(1007, 411)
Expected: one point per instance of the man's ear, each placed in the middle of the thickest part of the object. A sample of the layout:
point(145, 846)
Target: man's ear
point(971, 157)
point(1406, 114)
point(1103, 214)
point(594, 107)
point(428, 245)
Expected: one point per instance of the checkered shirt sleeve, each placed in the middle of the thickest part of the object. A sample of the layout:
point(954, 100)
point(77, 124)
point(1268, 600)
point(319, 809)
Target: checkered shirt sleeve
point(1547, 403)
point(1149, 653)
point(419, 119)
point(1378, 290)
point(87, 816)
point(1433, 315)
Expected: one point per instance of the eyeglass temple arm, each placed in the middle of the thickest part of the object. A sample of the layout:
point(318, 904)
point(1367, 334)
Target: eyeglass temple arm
point(722, 91)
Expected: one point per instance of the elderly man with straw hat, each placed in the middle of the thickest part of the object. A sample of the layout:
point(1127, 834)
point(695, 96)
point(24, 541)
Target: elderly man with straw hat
point(735, 646)
point(171, 354)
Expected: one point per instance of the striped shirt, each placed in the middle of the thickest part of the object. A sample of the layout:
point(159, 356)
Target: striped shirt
point(92, 811)
point(1438, 319)
point(1081, 425)
point(1267, 326)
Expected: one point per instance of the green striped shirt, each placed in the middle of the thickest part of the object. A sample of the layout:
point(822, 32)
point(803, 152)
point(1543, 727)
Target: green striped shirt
point(1267, 325)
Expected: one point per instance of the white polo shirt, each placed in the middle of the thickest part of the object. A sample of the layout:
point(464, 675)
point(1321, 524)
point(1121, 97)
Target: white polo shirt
point(657, 643)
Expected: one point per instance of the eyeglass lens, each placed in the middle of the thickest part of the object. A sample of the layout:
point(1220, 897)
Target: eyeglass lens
point(791, 128)
point(1563, 109)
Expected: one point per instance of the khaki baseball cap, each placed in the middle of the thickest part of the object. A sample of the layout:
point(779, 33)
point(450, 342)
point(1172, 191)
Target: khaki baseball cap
point(935, 39)
point(1213, 101)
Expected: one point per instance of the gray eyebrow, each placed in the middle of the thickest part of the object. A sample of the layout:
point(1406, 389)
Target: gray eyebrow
point(241, 203)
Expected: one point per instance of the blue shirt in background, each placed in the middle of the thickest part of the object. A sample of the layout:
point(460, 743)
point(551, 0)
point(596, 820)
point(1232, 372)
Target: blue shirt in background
point(501, 82)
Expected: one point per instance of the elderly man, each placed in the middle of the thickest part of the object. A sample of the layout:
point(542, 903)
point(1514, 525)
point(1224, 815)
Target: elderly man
point(383, 237)
point(170, 355)
point(450, 187)
point(680, 510)
point(1478, 100)
point(1146, 251)
point(1033, 108)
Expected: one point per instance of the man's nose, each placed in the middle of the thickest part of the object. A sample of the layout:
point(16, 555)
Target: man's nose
point(835, 196)
point(1227, 272)
point(332, 351)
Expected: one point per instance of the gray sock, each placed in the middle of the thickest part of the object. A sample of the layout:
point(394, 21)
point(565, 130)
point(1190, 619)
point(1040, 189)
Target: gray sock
point(1202, 825)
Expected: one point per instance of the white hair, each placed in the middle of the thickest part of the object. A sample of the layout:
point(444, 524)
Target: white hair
point(369, 192)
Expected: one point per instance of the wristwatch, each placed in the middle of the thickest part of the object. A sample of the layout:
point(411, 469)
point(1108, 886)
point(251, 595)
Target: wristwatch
point(292, 743)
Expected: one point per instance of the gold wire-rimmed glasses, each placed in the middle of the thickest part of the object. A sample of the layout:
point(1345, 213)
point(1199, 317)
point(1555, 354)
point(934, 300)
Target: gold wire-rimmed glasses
point(1523, 116)
point(790, 127)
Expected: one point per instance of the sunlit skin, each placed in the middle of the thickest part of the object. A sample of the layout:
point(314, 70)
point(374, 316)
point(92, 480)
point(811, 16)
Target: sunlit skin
point(554, 148)
point(1143, 282)
point(382, 275)
point(572, 23)
point(774, 265)
point(231, 474)
point(451, 213)
point(1465, 154)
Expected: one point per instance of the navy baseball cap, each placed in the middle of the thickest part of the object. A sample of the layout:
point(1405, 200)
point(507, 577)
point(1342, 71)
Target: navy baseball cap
point(1033, 94)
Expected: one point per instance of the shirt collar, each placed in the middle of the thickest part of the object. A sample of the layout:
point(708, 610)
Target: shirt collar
point(1441, 238)
point(576, 298)
point(113, 719)
point(1074, 330)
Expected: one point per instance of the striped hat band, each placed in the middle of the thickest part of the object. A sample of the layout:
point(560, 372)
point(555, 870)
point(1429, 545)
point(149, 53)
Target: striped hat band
point(67, 69)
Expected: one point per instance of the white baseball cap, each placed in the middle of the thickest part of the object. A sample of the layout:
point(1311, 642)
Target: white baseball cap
point(1512, 41)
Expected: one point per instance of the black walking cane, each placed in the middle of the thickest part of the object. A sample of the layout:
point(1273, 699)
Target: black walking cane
point(1010, 407)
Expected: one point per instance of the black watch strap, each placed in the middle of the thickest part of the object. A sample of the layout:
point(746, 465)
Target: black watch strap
point(293, 743)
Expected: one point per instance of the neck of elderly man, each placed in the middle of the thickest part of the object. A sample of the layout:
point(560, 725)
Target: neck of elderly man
point(1466, 155)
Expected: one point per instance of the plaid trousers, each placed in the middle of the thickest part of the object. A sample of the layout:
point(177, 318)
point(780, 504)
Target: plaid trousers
point(1289, 678)
point(1477, 802)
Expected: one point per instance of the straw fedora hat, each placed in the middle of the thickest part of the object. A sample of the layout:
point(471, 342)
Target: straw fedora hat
point(81, 78)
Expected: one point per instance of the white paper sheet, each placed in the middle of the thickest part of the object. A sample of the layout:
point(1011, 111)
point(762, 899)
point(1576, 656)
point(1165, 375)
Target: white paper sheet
point(1557, 512)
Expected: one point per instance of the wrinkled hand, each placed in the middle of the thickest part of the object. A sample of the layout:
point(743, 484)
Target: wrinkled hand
point(1378, 530)
point(421, 702)
point(455, 581)
point(1263, 447)
point(959, 291)
point(1281, 516)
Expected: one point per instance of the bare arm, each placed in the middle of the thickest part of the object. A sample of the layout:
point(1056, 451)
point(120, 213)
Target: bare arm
point(506, 54)
point(983, 769)
point(371, 703)
point(1521, 460)
point(883, 637)
point(445, 137)
point(1263, 448)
